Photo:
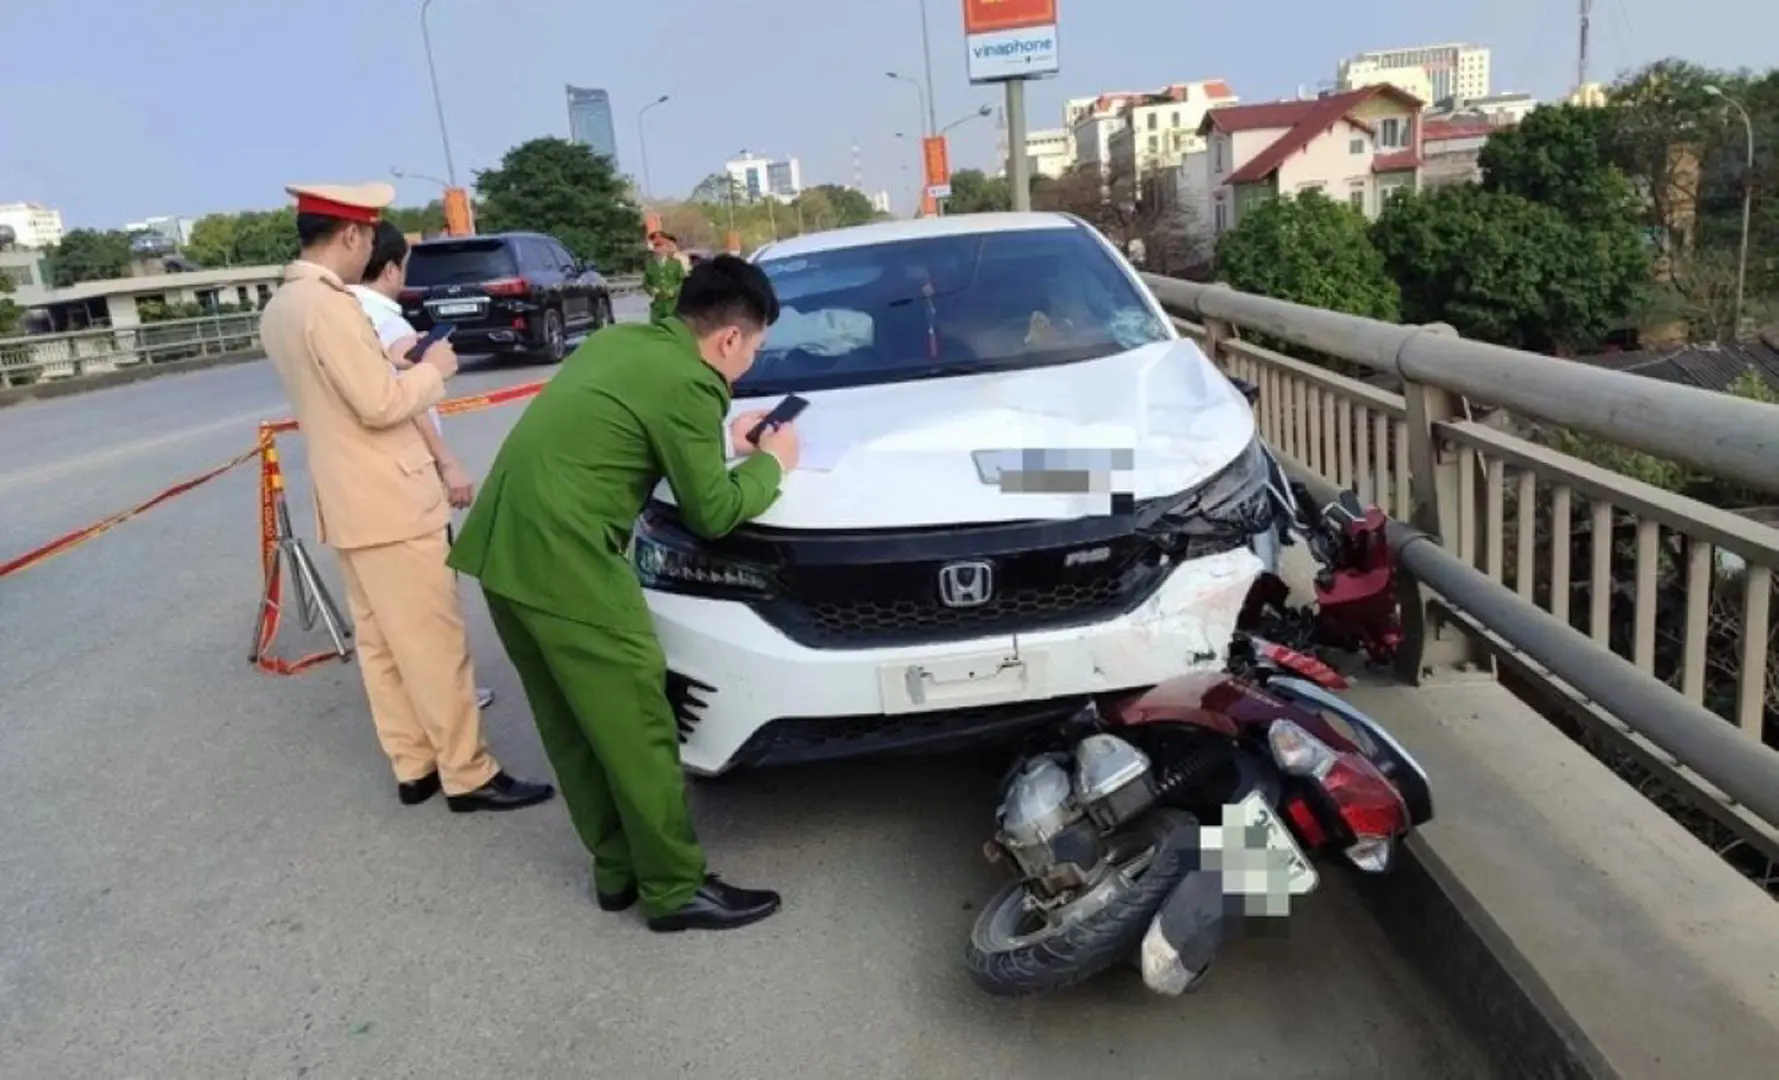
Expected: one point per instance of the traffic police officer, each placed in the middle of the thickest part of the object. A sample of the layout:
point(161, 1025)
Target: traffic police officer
point(379, 503)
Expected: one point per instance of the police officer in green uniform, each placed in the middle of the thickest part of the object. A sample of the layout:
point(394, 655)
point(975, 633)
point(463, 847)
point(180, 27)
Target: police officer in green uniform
point(664, 275)
point(548, 539)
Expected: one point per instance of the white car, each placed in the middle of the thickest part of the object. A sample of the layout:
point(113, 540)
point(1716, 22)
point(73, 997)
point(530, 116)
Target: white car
point(1019, 488)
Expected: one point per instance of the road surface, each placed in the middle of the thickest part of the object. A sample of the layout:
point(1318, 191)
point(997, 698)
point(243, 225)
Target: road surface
point(206, 873)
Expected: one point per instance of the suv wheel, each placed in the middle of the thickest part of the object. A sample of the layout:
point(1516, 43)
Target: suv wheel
point(555, 340)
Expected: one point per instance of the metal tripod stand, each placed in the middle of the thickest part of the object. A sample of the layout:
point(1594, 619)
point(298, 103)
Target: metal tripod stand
point(313, 601)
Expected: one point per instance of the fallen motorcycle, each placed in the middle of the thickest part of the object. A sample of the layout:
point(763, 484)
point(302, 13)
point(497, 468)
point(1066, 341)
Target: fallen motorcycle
point(1155, 823)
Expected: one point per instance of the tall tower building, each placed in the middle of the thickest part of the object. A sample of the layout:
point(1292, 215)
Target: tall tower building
point(590, 121)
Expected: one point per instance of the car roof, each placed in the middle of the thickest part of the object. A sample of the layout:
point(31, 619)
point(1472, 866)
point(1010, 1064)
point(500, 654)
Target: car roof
point(440, 241)
point(889, 232)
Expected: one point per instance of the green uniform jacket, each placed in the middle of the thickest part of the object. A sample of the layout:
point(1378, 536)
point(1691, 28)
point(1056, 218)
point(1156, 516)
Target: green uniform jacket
point(551, 526)
point(661, 279)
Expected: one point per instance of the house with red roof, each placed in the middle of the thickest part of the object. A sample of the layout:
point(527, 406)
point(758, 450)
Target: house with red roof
point(1357, 146)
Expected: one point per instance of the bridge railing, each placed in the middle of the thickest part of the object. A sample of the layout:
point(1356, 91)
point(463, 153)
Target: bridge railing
point(38, 357)
point(1678, 590)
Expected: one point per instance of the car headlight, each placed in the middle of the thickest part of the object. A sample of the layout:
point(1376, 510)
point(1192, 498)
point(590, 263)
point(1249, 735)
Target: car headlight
point(670, 561)
point(1238, 500)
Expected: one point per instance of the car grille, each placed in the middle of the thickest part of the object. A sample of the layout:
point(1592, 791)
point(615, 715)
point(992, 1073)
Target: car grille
point(806, 740)
point(882, 605)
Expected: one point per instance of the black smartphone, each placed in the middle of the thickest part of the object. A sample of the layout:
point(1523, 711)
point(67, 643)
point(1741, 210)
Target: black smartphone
point(438, 333)
point(782, 413)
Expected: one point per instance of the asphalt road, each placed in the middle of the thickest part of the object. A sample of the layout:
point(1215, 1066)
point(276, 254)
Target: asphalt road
point(206, 874)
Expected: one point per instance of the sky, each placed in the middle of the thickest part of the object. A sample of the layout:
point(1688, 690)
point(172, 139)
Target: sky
point(117, 110)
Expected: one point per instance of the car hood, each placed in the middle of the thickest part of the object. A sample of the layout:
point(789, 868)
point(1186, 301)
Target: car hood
point(1152, 421)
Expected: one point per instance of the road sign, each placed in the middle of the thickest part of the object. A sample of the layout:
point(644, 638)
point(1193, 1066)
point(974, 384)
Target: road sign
point(1010, 39)
point(938, 166)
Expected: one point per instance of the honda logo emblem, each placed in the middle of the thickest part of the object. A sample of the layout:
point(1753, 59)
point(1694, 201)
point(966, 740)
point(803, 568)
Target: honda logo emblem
point(966, 584)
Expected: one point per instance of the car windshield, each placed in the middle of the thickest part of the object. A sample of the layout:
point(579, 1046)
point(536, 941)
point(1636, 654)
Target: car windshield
point(948, 305)
point(459, 263)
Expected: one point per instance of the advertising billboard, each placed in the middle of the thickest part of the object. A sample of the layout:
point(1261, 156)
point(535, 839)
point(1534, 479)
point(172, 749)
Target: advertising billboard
point(1010, 39)
point(938, 167)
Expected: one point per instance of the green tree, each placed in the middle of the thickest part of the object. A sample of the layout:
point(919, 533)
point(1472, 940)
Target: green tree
point(974, 192)
point(1546, 254)
point(212, 240)
point(1508, 270)
point(564, 189)
point(1686, 150)
point(88, 255)
point(850, 205)
point(1309, 250)
point(428, 220)
point(1558, 157)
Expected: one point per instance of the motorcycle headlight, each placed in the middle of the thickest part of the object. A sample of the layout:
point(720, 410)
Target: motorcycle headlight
point(673, 562)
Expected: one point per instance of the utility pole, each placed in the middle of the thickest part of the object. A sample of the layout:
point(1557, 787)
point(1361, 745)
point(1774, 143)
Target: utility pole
point(1019, 165)
point(1581, 59)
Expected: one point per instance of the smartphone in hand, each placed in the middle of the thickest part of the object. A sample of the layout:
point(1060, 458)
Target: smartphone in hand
point(782, 413)
point(438, 333)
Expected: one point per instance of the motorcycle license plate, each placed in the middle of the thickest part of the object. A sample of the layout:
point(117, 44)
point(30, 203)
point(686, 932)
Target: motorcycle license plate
point(1259, 852)
point(458, 309)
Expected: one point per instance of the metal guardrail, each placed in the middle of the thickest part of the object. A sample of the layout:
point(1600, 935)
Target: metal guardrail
point(42, 357)
point(1678, 593)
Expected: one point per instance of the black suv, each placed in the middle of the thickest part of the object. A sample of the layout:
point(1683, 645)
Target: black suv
point(507, 293)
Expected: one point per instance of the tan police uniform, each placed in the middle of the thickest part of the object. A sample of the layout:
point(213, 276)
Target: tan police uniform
point(379, 503)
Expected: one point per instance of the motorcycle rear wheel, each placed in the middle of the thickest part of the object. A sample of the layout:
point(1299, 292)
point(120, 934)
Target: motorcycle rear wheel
point(1060, 954)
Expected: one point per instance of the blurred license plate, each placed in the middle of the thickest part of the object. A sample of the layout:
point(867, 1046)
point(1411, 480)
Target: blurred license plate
point(1269, 838)
point(458, 309)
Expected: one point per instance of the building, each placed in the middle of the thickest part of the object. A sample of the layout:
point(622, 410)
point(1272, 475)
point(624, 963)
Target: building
point(758, 177)
point(1590, 95)
point(24, 267)
point(880, 202)
point(1161, 129)
point(1450, 149)
point(1454, 70)
point(1413, 80)
point(119, 302)
point(590, 122)
point(175, 230)
point(1498, 109)
point(1092, 122)
point(1357, 146)
point(33, 225)
point(1050, 150)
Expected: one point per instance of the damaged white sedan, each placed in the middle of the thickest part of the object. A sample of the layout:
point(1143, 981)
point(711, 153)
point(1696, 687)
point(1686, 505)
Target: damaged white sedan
point(1020, 488)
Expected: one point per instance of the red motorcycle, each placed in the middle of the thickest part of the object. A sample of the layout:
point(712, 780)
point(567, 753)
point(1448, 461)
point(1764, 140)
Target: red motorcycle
point(1176, 813)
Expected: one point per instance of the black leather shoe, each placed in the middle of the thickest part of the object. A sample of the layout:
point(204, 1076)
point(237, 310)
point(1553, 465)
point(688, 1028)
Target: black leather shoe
point(501, 793)
point(415, 792)
point(622, 901)
point(718, 905)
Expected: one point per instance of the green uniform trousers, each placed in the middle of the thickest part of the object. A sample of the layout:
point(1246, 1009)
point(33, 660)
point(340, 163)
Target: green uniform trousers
point(599, 697)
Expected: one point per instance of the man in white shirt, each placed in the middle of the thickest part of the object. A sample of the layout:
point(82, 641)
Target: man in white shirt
point(379, 296)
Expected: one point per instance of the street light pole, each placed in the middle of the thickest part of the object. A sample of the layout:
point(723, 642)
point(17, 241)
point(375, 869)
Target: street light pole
point(926, 111)
point(1747, 204)
point(926, 49)
point(438, 102)
point(643, 140)
point(986, 110)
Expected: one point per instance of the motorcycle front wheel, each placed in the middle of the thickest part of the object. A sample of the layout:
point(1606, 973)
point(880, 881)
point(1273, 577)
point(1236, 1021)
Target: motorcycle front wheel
point(1015, 951)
